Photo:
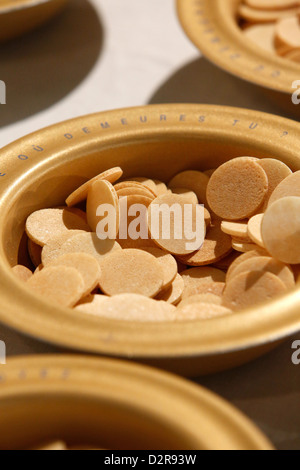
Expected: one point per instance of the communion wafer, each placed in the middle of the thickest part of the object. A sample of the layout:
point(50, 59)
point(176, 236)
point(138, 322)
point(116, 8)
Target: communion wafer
point(61, 285)
point(225, 263)
point(92, 304)
point(243, 247)
point(201, 311)
point(254, 229)
point(276, 172)
point(272, 4)
point(102, 193)
point(85, 264)
point(147, 182)
point(177, 244)
point(167, 262)
point(262, 35)
point(134, 185)
point(173, 294)
point(188, 196)
point(237, 189)
point(81, 193)
point(266, 264)
point(248, 289)
point(135, 307)
point(287, 32)
point(293, 55)
point(217, 245)
point(23, 273)
point(51, 250)
point(256, 252)
point(131, 271)
point(201, 298)
point(89, 243)
point(161, 188)
point(216, 288)
point(35, 253)
point(281, 230)
point(235, 229)
point(131, 191)
point(290, 186)
point(195, 181)
point(254, 15)
point(133, 232)
point(45, 224)
point(194, 278)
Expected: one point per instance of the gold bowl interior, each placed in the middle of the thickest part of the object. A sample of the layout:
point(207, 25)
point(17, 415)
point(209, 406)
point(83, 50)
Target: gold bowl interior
point(157, 141)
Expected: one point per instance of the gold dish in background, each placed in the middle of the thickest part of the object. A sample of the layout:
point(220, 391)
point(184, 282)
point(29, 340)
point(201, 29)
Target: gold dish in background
point(114, 405)
point(212, 25)
point(20, 16)
point(42, 169)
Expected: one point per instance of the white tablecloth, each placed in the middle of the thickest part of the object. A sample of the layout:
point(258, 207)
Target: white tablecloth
point(105, 54)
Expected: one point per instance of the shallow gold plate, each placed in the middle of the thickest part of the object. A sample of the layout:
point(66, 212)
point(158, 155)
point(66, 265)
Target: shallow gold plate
point(212, 27)
point(42, 169)
point(20, 16)
point(114, 405)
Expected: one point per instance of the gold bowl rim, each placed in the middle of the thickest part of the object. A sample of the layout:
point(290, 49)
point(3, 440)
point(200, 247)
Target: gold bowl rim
point(204, 418)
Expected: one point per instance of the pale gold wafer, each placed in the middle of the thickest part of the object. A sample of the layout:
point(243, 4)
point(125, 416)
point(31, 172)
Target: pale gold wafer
point(23, 273)
point(39, 268)
point(91, 244)
point(135, 307)
point(61, 285)
point(217, 245)
point(254, 15)
point(35, 253)
point(147, 182)
point(272, 4)
point(281, 230)
point(290, 186)
point(254, 229)
point(243, 247)
point(81, 193)
point(237, 189)
point(131, 271)
point(188, 196)
point(244, 257)
point(45, 224)
point(129, 185)
point(201, 311)
point(225, 263)
point(161, 188)
point(195, 277)
point(252, 288)
point(133, 227)
point(195, 181)
point(276, 172)
point(92, 304)
point(51, 250)
point(167, 262)
point(173, 294)
point(168, 237)
point(201, 298)
point(101, 196)
point(235, 229)
point(216, 288)
point(85, 264)
point(263, 35)
point(131, 191)
point(287, 32)
point(266, 264)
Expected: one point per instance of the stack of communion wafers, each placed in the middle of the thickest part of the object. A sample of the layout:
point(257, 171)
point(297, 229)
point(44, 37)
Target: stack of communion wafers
point(250, 254)
point(273, 25)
